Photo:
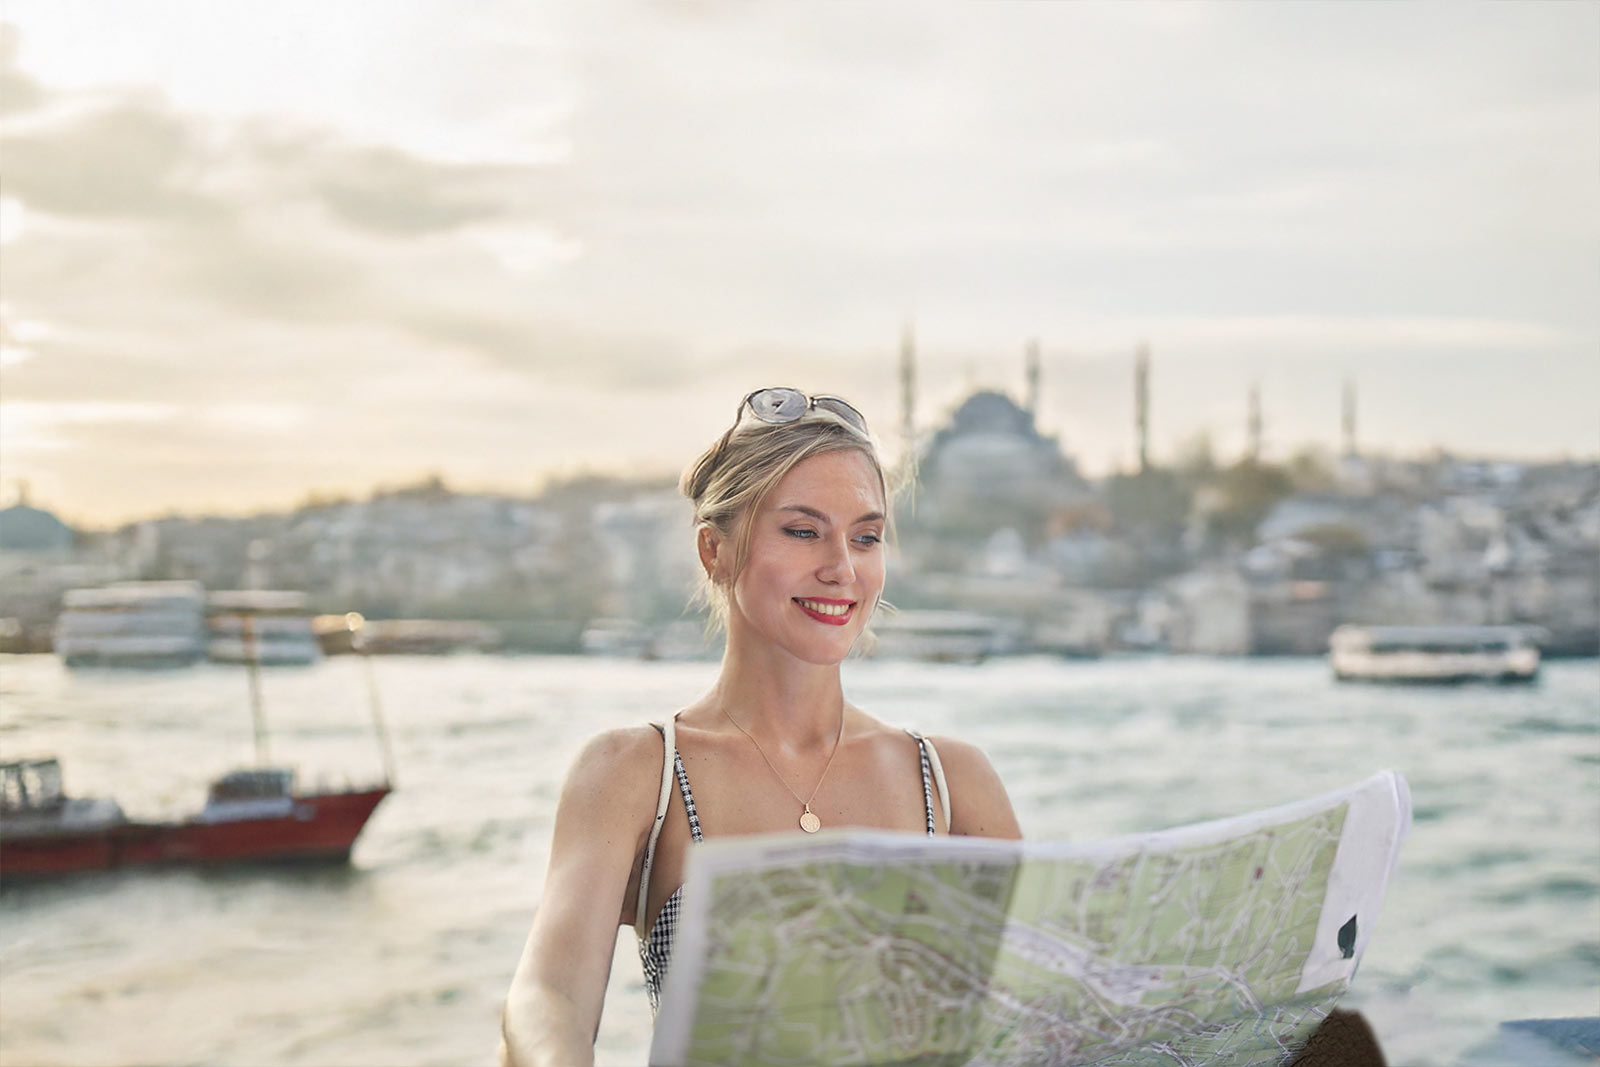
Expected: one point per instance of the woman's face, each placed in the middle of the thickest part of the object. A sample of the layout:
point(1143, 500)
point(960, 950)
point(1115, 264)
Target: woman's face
point(816, 562)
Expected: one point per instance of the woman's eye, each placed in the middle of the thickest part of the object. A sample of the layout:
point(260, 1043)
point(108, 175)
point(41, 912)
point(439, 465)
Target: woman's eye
point(870, 539)
point(800, 532)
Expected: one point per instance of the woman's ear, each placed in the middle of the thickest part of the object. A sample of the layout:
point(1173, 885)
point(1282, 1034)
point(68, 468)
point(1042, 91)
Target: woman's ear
point(709, 543)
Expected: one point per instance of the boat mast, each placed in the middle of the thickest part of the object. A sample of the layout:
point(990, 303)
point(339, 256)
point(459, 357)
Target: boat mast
point(252, 666)
point(354, 621)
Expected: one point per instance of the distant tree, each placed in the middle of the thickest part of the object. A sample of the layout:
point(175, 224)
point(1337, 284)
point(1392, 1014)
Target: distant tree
point(317, 500)
point(1311, 470)
point(430, 487)
point(1155, 499)
point(1243, 495)
point(584, 490)
point(1196, 459)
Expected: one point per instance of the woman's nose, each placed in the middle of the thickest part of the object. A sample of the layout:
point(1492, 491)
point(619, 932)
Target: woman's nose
point(837, 568)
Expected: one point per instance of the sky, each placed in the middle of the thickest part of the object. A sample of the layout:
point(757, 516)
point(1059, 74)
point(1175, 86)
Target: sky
point(250, 252)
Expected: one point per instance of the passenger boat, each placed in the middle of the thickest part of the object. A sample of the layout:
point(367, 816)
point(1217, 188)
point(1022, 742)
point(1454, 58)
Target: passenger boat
point(416, 637)
point(281, 630)
point(1434, 654)
point(939, 636)
point(257, 814)
point(132, 624)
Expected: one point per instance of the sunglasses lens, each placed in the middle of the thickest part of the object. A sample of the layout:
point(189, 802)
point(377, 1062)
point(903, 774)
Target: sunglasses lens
point(843, 410)
point(777, 405)
point(782, 404)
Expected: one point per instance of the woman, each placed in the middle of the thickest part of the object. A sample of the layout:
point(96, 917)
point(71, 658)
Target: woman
point(791, 508)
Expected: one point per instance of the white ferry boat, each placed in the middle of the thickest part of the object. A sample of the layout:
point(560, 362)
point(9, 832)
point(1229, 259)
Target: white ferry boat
point(132, 624)
point(940, 636)
point(1434, 654)
point(269, 626)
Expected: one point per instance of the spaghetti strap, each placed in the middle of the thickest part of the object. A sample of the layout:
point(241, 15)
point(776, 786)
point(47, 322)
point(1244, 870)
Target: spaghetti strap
point(655, 945)
point(688, 796)
point(932, 775)
point(669, 757)
point(938, 780)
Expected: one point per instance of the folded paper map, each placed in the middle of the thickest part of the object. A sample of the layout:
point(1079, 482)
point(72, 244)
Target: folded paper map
point(1220, 943)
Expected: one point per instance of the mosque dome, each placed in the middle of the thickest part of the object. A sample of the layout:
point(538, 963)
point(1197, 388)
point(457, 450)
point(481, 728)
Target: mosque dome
point(29, 529)
point(987, 411)
point(990, 468)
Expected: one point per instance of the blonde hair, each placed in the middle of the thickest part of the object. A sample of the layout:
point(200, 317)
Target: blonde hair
point(731, 479)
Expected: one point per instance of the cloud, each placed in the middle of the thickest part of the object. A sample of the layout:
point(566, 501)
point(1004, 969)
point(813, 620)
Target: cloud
point(18, 92)
point(576, 235)
point(121, 161)
point(186, 240)
point(389, 192)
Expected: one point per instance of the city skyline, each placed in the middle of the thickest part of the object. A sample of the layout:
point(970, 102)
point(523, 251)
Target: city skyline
point(251, 257)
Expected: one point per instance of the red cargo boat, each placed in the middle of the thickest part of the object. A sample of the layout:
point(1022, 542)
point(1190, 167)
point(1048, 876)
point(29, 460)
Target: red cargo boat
point(251, 815)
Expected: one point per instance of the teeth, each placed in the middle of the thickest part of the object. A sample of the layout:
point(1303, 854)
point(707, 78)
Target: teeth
point(823, 609)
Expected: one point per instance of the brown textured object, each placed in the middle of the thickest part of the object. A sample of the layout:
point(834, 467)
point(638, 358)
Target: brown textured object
point(1343, 1039)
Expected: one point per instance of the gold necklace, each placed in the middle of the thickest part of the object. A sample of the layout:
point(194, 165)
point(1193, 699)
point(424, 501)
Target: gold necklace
point(808, 818)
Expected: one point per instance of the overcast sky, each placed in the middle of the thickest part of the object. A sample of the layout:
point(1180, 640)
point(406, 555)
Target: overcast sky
point(254, 250)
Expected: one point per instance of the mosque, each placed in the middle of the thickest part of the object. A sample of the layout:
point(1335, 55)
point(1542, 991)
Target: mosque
point(989, 483)
point(36, 554)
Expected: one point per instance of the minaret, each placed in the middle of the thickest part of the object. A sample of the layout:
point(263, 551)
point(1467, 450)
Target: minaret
point(1349, 420)
point(1141, 404)
point(1031, 378)
point(908, 388)
point(1253, 427)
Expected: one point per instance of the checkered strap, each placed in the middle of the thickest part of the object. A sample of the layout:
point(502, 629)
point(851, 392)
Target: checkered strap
point(670, 748)
point(655, 948)
point(932, 775)
point(688, 797)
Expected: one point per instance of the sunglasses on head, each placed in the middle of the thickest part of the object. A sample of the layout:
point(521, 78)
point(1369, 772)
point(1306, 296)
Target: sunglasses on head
point(781, 404)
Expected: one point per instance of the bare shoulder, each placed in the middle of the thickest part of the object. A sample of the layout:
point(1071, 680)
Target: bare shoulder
point(979, 804)
point(965, 765)
point(619, 750)
point(616, 771)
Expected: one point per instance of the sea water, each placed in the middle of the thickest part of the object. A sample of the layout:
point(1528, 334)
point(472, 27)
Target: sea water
point(403, 957)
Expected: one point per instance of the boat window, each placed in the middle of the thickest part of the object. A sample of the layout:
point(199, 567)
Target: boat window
point(30, 785)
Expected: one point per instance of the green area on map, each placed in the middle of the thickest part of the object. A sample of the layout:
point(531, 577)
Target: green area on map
point(1158, 957)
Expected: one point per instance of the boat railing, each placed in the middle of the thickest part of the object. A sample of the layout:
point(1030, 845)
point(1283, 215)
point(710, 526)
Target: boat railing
point(1436, 640)
point(253, 783)
point(31, 786)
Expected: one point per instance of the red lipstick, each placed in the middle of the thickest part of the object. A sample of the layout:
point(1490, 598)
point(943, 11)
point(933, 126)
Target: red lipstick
point(828, 620)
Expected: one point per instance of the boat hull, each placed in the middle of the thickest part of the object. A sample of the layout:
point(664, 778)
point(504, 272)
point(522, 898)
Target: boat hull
point(319, 827)
point(1436, 655)
point(1437, 678)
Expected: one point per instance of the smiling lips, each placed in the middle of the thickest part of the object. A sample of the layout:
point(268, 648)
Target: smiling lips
point(829, 612)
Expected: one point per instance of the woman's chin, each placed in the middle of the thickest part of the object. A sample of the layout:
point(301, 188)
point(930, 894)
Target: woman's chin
point(823, 653)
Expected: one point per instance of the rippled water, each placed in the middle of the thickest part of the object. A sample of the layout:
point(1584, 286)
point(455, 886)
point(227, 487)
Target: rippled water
point(1494, 913)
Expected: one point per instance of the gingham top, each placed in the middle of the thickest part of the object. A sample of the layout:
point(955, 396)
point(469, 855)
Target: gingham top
point(655, 949)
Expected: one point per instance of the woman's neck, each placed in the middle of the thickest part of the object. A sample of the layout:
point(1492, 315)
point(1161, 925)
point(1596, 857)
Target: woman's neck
point(779, 698)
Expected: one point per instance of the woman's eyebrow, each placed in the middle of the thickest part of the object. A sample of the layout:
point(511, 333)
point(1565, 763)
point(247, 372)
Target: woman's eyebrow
point(871, 516)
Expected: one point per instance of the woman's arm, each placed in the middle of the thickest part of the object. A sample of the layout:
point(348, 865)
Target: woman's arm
point(979, 806)
point(552, 1010)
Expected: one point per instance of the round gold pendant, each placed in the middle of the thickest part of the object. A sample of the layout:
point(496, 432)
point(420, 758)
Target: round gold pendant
point(809, 822)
